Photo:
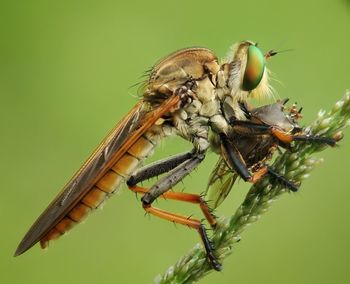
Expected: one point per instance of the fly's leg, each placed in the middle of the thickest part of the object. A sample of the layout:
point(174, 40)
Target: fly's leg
point(175, 176)
point(159, 167)
point(185, 197)
point(160, 189)
point(251, 128)
point(183, 220)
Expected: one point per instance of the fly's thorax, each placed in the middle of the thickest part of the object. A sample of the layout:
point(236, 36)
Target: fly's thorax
point(178, 68)
point(211, 85)
point(222, 76)
point(207, 97)
point(189, 124)
point(203, 114)
point(205, 90)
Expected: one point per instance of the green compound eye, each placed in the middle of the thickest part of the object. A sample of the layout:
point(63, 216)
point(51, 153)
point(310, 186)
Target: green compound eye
point(254, 69)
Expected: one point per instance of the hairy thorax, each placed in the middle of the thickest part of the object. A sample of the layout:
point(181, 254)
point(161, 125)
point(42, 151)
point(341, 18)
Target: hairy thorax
point(197, 73)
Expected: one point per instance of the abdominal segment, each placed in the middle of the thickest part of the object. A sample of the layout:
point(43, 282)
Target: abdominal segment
point(104, 187)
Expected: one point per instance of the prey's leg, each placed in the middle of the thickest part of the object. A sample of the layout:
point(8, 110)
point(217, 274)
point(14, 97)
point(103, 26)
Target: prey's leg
point(282, 180)
point(234, 158)
point(237, 163)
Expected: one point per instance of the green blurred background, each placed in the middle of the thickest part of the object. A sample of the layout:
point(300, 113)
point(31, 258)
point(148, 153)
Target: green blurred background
point(65, 72)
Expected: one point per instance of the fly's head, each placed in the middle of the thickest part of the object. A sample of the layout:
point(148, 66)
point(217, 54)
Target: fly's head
point(247, 73)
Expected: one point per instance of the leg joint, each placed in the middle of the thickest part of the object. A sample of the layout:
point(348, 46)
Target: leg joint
point(147, 200)
point(131, 181)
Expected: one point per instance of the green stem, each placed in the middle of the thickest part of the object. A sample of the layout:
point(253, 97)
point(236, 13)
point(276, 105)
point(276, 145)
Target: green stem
point(295, 165)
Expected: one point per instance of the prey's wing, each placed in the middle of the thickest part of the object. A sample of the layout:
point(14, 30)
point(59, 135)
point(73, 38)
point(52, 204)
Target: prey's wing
point(221, 181)
point(112, 148)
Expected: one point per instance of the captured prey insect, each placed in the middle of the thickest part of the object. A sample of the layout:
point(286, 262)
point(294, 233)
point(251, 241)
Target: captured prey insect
point(252, 142)
point(182, 96)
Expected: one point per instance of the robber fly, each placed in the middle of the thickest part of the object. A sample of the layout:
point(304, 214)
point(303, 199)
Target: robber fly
point(182, 96)
point(251, 144)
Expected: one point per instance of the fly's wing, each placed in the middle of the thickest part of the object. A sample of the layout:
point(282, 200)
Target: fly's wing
point(220, 183)
point(112, 148)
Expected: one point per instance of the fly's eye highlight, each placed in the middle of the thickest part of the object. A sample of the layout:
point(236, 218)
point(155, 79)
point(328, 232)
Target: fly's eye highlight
point(254, 69)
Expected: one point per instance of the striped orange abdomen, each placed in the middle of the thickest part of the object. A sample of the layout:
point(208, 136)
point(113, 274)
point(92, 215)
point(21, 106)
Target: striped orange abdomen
point(104, 187)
